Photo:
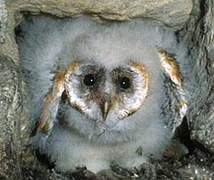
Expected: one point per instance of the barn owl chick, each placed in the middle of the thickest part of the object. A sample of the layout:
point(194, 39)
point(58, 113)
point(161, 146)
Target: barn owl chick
point(101, 92)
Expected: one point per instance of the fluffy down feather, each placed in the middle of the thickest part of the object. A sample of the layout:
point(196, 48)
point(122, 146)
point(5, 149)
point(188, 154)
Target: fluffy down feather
point(47, 45)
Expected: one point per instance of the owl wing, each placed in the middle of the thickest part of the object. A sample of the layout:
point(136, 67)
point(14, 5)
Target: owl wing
point(50, 105)
point(176, 102)
point(52, 100)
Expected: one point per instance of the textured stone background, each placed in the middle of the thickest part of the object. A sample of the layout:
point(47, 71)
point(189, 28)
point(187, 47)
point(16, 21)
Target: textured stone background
point(193, 22)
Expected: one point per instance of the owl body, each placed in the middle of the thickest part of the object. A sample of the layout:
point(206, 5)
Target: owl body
point(98, 91)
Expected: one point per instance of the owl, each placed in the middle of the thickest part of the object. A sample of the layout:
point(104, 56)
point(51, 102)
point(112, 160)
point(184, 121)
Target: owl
point(101, 92)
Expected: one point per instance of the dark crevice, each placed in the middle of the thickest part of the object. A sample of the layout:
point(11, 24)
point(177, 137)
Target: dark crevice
point(44, 159)
point(183, 133)
point(203, 12)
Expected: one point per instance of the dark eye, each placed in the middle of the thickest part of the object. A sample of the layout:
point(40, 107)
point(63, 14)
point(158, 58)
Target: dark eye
point(125, 83)
point(89, 80)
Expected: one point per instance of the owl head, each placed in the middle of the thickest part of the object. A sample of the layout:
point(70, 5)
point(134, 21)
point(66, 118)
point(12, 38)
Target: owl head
point(103, 94)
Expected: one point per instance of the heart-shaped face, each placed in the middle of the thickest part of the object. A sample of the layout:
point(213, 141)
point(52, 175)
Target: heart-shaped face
point(100, 93)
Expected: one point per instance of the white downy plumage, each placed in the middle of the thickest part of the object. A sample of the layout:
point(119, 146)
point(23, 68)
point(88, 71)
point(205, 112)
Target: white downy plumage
point(47, 45)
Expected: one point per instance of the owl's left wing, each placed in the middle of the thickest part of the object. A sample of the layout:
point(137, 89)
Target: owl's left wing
point(176, 102)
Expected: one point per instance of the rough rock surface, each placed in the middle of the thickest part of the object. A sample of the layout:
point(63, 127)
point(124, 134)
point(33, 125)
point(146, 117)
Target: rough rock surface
point(202, 122)
point(199, 35)
point(170, 12)
point(16, 161)
point(10, 102)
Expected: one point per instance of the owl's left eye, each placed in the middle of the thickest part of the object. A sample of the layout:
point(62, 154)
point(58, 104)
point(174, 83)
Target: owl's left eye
point(125, 83)
point(89, 80)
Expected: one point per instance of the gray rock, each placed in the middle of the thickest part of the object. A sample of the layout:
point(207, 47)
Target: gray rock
point(173, 13)
point(201, 43)
point(10, 144)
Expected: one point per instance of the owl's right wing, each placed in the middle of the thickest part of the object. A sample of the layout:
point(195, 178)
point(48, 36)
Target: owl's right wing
point(50, 105)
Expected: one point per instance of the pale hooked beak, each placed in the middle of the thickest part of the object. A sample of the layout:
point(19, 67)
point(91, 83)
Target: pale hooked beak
point(105, 107)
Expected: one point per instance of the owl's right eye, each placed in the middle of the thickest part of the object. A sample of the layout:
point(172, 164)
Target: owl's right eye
point(89, 80)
